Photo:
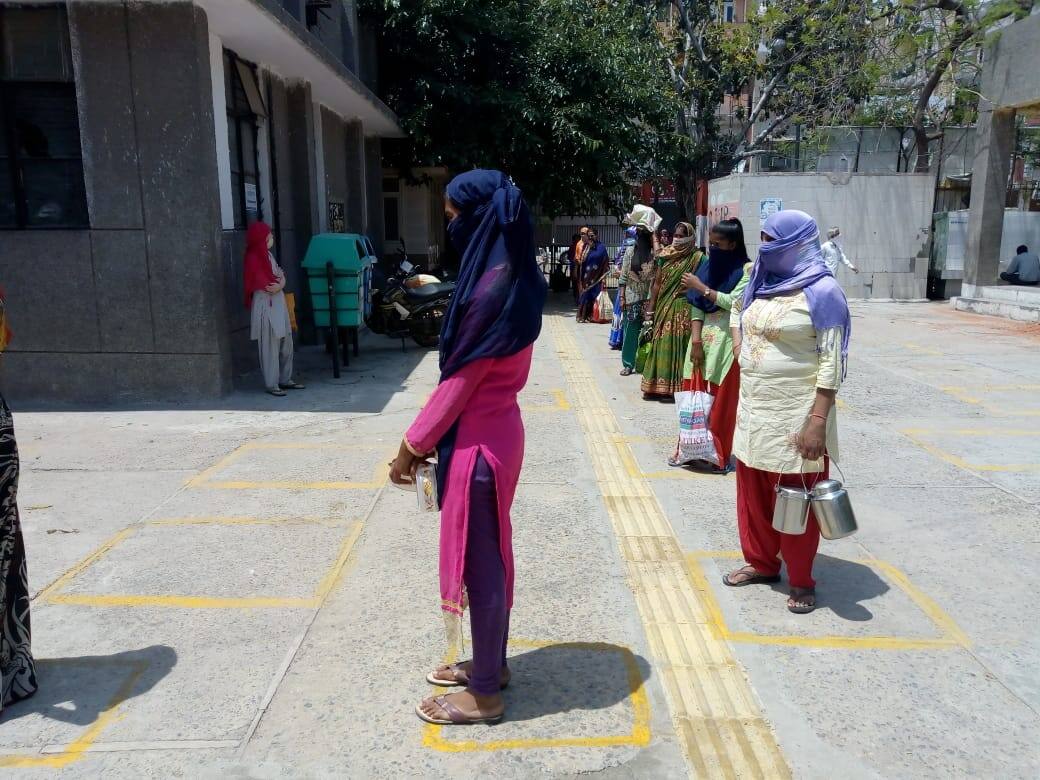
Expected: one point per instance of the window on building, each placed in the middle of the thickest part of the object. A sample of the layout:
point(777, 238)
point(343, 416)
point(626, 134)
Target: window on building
point(729, 11)
point(245, 107)
point(391, 210)
point(41, 165)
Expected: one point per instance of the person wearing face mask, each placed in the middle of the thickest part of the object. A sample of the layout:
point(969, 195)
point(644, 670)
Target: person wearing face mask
point(264, 283)
point(710, 363)
point(473, 423)
point(793, 335)
point(670, 313)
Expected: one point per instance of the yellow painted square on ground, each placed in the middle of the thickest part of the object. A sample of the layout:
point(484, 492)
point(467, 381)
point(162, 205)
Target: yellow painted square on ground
point(298, 466)
point(949, 636)
point(147, 559)
point(981, 449)
point(605, 681)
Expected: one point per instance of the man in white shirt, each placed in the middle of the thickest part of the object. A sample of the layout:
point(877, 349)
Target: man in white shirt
point(1023, 269)
point(832, 254)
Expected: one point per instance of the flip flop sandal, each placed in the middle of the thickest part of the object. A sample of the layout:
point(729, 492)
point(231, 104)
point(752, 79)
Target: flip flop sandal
point(461, 678)
point(293, 386)
point(456, 717)
point(755, 579)
point(798, 595)
point(277, 392)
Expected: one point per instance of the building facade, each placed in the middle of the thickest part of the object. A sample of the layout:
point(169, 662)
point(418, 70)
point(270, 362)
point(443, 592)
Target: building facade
point(137, 142)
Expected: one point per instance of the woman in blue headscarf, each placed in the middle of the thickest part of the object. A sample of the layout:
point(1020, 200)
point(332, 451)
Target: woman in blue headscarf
point(793, 338)
point(593, 270)
point(472, 421)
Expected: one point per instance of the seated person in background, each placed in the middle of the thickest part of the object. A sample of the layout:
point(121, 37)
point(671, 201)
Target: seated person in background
point(1024, 268)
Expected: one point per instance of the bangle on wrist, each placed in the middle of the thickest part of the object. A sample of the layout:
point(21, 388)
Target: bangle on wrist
point(818, 416)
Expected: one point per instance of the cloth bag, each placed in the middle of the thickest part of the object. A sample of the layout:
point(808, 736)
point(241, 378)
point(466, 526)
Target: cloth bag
point(617, 324)
point(695, 440)
point(604, 307)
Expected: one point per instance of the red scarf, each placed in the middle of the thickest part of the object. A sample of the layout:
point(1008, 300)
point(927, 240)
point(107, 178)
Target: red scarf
point(256, 269)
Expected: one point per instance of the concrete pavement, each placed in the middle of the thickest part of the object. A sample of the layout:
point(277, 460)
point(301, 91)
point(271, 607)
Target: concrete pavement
point(234, 591)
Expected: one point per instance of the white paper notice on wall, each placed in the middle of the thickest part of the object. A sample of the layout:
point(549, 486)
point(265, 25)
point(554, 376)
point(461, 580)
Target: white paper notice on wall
point(767, 207)
point(251, 199)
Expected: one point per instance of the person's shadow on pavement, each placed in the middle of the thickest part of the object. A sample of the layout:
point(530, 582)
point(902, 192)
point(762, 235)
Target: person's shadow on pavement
point(844, 586)
point(572, 676)
point(77, 690)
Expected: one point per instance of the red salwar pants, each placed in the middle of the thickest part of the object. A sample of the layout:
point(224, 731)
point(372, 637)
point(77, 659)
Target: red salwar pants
point(723, 418)
point(763, 547)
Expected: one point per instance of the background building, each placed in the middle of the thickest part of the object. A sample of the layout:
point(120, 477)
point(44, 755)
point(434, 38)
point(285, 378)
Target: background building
point(137, 142)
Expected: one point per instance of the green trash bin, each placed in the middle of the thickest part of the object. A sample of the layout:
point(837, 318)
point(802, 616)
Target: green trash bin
point(339, 273)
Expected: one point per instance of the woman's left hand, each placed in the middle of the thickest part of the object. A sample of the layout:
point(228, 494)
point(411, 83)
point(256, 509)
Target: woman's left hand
point(812, 441)
point(402, 468)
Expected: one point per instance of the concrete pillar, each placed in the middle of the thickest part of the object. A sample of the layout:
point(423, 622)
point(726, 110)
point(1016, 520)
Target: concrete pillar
point(374, 188)
point(299, 118)
point(994, 144)
point(354, 159)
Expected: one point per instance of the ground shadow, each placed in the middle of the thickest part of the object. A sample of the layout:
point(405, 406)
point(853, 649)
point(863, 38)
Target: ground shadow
point(842, 587)
point(572, 676)
point(77, 690)
point(366, 386)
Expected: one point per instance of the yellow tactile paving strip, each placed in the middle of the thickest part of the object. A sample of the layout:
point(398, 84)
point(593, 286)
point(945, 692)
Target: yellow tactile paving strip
point(717, 718)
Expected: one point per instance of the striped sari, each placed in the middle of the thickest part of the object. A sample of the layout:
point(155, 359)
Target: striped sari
point(663, 370)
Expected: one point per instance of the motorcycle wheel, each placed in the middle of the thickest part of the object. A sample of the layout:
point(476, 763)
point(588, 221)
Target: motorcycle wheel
point(426, 341)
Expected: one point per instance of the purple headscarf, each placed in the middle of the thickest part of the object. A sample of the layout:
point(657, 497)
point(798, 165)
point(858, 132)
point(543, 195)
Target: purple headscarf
point(793, 262)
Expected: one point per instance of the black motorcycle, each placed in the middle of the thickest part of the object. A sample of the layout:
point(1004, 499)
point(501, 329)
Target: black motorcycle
point(408, 303)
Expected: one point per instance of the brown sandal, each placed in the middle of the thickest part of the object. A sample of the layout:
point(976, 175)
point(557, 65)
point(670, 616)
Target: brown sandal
point(797, 602)
point(456, 717)
point(459, 677)
point(755, 578)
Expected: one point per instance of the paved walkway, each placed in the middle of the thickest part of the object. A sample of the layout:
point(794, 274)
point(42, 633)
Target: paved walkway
point(235, 591)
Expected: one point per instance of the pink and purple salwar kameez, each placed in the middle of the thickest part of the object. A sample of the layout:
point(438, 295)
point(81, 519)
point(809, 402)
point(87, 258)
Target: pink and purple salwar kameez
point(476, 546)
point(472, 420)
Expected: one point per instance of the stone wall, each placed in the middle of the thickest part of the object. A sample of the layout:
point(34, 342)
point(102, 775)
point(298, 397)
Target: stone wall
point(884, 220)
point(132, 307)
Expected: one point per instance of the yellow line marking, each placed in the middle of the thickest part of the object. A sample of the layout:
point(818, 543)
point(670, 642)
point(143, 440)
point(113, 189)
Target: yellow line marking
point(716, 716)
point(965, 395)
point(951, 634)
point(635, 471)
point(333, 522)
point(916, 436)
point(77, 749)
point(559, 404)
point(923, 350)
point(60, 583)
point(639, 736)
point(180, 602)
point(205, 478)
point(55, 594)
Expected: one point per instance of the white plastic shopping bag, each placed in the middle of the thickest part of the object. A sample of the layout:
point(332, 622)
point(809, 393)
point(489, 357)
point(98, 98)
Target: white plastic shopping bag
point(605, 307)
point(695, 440)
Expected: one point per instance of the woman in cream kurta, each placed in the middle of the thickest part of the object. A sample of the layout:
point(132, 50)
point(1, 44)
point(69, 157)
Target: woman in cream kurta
point(780, 370)
point(791, 333)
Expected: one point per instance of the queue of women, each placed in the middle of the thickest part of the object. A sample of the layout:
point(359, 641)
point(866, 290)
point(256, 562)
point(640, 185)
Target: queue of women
point(767, 343)
point(767, 340)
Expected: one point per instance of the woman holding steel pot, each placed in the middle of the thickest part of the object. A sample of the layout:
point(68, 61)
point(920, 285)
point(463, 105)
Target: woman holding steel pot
point(792, 339)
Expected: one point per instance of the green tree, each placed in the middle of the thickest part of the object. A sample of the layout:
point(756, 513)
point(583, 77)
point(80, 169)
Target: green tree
point(741, 86)
point(929, 50)
point(564, 95)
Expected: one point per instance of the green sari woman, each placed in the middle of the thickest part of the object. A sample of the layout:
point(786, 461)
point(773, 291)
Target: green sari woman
point(670, 312)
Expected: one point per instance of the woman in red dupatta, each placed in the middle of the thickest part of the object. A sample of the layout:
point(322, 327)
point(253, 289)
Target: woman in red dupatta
point(473, 422)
